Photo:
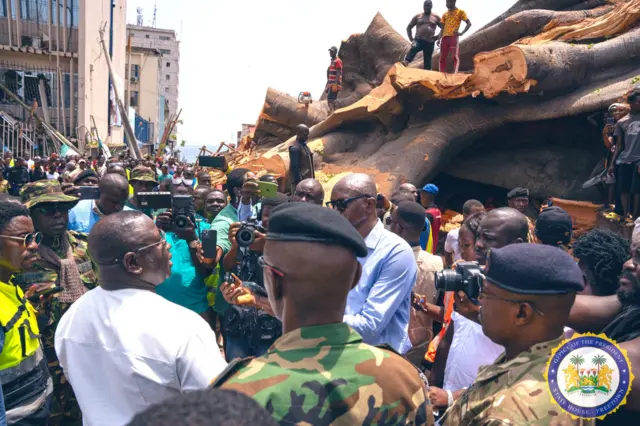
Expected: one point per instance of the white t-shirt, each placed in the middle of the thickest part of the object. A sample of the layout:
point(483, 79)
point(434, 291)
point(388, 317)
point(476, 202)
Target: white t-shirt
point(52, 176)
point(451, 244)
point(125, 350)
point(470, 349)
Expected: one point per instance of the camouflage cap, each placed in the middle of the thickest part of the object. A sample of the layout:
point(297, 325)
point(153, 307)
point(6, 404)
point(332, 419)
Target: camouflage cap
point(143, 174)
point(44, 191)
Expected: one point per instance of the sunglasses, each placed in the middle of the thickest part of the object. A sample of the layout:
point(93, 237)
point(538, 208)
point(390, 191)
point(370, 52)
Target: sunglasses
point(27, 240)
point(263, 264)
point(343, 204)
point(49, 209)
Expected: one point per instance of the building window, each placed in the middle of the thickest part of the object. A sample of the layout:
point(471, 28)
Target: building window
point(168, 64)
point(135, 71)
point(146, 36)
point(166, 89)
point(133, 101)
point(168, 77)
point(165, 38)
point(132, 34)
point(165, 51)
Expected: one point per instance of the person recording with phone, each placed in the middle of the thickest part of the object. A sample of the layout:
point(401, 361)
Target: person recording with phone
point(616, 112)
point(186, 284)
point(249, 324)
point(62, 261)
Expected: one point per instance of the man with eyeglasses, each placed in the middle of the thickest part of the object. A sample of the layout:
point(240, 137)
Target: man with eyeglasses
point(62, 261)
point(26, 385)
point(143, 179)
point(320, 372)
point(123, 347)
point(526, 297)
point(378, 306)
point(309, 191)
point(500, 228)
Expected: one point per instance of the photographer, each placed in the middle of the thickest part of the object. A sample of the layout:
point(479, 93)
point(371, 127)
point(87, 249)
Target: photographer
point(185, 286)
point(249, 328)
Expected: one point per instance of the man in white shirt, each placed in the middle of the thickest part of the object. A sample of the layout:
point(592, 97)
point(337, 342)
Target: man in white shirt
point(451, 247)
point(123, 347)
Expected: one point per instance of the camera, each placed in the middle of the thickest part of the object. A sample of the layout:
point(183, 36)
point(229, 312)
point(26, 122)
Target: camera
point(245, 235)
point(183, 211)
point(466, 277)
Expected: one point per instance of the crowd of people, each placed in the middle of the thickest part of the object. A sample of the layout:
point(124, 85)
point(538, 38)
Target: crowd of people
point(115, 311)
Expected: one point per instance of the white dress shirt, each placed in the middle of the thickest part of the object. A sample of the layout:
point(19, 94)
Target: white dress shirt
point(470, 349)
point(125, 350)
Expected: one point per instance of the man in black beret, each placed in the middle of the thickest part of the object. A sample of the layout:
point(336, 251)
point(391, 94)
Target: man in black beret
point(310, 264)
point(554, 227)
point(518, 199)
point(526, 296)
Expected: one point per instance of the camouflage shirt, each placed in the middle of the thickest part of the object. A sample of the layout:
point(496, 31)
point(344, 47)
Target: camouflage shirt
point(326, 375)
point(64, 407)
point(511, 393)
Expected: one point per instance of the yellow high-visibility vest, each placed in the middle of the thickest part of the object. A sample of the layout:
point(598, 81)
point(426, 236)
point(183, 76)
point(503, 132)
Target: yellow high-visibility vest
point(18, 318)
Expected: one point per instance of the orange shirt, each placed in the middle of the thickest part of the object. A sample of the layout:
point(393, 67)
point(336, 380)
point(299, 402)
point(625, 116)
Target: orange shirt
point(452, 21)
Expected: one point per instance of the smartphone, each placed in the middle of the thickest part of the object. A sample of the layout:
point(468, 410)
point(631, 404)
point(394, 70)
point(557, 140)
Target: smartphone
point(209, 240)
point(53, 290)
point(210, 161)
point(268, 189)
point(88, 192)
point(155, 200)
point(611, 121)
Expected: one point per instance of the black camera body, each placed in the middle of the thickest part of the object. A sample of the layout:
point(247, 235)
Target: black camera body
point(245, 235)
point(183, 211)
point(466, 277)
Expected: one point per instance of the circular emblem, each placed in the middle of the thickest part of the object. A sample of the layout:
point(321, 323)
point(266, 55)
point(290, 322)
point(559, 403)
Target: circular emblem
point(589, 376)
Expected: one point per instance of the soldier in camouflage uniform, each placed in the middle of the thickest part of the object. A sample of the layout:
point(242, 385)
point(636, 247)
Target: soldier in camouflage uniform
point(320, 372)
point(143, 179)
point(525, 300)
point(63, 260)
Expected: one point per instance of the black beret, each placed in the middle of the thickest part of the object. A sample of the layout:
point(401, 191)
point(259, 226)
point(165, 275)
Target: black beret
point(311, 223)
point(518, 193)
point(554, 226)
point(533, 269)
point(85, 173)
point(412, 213)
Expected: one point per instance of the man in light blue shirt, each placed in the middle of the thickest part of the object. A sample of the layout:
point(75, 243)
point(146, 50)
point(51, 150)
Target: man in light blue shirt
point(378, 306)
point(114, 191)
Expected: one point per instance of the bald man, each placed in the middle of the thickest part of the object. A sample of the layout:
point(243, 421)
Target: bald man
point(409, 187)
point(309, 191)
point(308, 272)
point(378, 306)
point(123, 326)
point(114, 192)
point(500, 228)
point(300, 158)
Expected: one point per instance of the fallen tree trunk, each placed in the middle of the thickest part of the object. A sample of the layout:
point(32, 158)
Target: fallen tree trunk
point(523, 5)
point(510, 30)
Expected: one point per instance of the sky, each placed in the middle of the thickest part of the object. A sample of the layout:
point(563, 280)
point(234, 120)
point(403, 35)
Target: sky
point(232, 51)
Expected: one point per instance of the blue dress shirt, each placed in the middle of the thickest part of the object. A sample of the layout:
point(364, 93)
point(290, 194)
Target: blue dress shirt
point(83, 216)
point(378, 306)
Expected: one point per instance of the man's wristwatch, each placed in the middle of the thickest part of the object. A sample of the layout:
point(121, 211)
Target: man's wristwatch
point(194, 244)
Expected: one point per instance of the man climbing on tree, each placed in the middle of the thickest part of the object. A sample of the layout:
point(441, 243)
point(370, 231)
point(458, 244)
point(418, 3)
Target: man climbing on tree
point(450, 35)
point(334, 78)
point(426, 25)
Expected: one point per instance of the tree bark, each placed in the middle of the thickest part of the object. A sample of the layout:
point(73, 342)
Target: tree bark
point(523, 5)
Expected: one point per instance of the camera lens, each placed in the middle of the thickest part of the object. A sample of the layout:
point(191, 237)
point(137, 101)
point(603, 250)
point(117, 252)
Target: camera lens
point(181, 222)
point(447, 280)
point(245, 237)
